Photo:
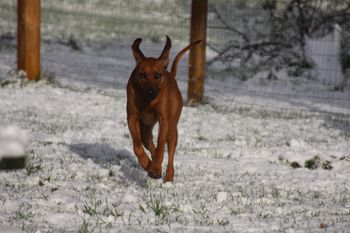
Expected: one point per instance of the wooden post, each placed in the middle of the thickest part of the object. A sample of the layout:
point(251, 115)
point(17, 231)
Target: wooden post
point(199, 14)
point(28, 37)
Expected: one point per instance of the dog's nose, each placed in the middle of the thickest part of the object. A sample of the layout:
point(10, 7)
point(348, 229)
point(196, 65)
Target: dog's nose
point(151, 93)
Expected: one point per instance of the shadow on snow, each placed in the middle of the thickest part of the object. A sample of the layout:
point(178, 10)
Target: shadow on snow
point(104, 154)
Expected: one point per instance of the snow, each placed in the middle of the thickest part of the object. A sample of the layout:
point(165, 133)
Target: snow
point(221, 197)
point(233, 164)
point(232, 169)
point(7, 229)
point(13, 142)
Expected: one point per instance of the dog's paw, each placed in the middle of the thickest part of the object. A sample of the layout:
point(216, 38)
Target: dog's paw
point(155, 174)
point(169, 176)
point(168, 180)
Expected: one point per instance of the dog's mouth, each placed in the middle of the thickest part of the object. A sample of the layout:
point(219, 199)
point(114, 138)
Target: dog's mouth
point(151, 93)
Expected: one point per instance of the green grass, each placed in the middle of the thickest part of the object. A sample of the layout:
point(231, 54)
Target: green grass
point(202, 216)
point(155, 202)
point(33, 164)
point(84, 228)
point(25, 213)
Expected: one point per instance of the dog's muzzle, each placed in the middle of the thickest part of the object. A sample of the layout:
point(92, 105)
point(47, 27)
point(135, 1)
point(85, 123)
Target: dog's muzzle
point(151, 93)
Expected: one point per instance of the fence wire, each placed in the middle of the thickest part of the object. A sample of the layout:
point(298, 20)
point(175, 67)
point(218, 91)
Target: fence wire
point(89, 41)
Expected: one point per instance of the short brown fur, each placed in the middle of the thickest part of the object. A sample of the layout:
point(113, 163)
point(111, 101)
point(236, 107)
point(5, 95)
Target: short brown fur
point(153, 96)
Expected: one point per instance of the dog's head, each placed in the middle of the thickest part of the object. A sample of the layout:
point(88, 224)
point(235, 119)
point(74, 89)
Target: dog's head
point(151, 72)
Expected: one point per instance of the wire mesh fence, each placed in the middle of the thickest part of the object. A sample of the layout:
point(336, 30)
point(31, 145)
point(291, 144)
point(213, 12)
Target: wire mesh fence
point(256, 53)
point(7, 36)
point(97, 35)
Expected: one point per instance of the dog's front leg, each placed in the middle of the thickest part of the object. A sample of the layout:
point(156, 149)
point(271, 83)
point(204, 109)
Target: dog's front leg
point(156, 168)
point(134, 127)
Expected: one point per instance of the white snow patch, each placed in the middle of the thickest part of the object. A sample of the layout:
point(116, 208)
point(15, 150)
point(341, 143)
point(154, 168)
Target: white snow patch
point(130, 197)
point(63, 219)
point(297, 143)
point(8, 229)
point(221, 197)
point(13, 141)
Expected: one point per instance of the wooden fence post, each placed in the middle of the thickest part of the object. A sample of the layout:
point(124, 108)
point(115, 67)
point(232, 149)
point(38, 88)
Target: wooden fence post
point(199, 12)
point(28, 37)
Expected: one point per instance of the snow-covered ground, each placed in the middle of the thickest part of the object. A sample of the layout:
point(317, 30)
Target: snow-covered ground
point(239, 167)
point(261, 155)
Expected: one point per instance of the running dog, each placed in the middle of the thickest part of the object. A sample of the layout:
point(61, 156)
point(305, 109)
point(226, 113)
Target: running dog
point(153, 96)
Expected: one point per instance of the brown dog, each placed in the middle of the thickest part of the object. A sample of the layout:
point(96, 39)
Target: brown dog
point(153, 96)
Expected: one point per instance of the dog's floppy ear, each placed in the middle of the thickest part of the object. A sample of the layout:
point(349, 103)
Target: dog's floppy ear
point(164, 57)
point(138, 55)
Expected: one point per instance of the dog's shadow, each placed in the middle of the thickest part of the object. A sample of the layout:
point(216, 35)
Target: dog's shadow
point(104, 155)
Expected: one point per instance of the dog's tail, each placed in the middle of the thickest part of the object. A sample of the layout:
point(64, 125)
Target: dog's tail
point(179, 56)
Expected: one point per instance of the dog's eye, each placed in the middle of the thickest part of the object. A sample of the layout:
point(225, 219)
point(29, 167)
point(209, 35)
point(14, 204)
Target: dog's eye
point(143, 76)
point(157, 75)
